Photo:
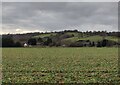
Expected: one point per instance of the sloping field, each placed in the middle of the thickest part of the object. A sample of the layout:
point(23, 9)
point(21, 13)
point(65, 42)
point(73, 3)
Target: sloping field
point(92, 38)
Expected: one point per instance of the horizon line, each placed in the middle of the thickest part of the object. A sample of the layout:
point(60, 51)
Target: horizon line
point(61, 31)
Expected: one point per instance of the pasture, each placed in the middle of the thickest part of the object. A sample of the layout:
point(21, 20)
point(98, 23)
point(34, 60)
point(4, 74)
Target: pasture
point(60, 65)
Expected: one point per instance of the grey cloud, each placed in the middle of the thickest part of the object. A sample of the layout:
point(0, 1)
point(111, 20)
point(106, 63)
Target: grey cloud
point(51, 16)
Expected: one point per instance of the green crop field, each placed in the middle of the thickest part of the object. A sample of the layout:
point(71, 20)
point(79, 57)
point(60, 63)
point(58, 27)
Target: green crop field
point(60, 65)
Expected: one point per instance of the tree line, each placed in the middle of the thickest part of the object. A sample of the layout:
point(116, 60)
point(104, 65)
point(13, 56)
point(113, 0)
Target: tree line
point(9, 42)
point(81, 43)
point(57, 40)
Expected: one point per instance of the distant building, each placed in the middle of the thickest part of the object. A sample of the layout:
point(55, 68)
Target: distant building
point(25, 44)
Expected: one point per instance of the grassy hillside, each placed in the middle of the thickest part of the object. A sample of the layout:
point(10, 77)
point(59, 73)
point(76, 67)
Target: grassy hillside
point(66, 38)
point(76, 37)
point(45, 35)
point(92, 38)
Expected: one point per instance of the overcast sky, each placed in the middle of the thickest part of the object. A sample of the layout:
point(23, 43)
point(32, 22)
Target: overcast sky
point(21, 17)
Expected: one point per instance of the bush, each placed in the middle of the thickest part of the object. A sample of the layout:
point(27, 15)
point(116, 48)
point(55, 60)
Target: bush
point(18, 44)
point(32, 41)
point(48, 41)
point(7, 42)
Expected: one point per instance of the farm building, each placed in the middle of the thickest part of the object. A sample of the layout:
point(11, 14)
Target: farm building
point(25, 44)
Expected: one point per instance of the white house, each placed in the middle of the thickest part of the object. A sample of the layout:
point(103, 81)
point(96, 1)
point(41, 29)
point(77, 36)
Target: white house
point(25, 44)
